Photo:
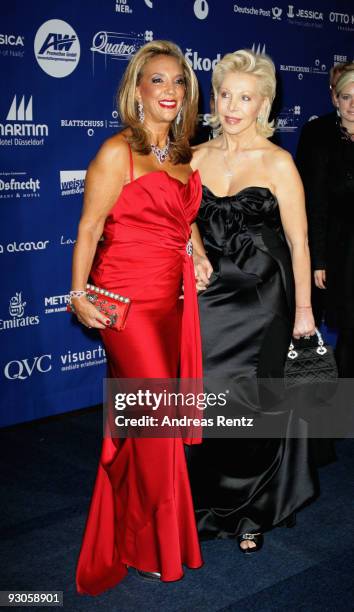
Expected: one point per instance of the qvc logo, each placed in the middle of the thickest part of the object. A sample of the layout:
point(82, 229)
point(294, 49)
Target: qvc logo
point(24, 368)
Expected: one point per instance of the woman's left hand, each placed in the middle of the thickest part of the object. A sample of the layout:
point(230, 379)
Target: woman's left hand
point(304, 323)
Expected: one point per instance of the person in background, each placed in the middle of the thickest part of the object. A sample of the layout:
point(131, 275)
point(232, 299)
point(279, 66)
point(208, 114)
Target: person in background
point(319, 130)
point(330, 191)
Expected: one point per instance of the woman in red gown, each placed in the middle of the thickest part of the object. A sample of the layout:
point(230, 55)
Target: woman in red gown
point(142, 195)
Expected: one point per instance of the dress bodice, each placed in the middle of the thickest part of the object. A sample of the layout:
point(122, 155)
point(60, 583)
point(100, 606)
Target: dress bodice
point(244, 238)
point(224, 220)
point(155, 207)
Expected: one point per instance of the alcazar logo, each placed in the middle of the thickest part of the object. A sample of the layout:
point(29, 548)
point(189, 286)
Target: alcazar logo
point(17, 314)
point(57, 48)
point(19, 124)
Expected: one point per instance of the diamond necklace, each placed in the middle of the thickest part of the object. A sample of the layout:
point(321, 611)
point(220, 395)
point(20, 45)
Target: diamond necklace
point(161, 154)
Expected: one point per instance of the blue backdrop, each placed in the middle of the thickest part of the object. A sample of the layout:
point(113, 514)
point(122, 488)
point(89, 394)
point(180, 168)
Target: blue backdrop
point(61, 62)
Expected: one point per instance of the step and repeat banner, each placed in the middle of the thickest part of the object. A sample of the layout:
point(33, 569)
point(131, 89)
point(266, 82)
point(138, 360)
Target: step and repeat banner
point(61, 63)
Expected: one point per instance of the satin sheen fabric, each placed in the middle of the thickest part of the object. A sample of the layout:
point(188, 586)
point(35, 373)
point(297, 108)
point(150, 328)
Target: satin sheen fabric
point(242, 485)
point(141, 514)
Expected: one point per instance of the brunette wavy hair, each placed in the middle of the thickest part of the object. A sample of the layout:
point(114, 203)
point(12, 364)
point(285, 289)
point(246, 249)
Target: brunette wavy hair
point(181, 133)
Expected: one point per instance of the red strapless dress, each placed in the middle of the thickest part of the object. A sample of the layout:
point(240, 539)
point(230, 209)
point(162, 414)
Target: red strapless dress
point(141, 513)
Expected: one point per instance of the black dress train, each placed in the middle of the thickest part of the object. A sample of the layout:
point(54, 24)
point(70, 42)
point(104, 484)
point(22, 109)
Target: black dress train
point(242, 485)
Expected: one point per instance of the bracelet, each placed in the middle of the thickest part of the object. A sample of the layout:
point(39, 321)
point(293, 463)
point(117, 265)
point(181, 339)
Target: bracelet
point(76, 294)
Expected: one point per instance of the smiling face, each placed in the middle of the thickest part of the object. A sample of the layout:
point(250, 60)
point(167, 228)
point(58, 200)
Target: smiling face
point(239, 102)
point(161, 89)
point(345, 103)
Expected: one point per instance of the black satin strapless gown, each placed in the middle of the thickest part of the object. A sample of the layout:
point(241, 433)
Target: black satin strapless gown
point(242, 485)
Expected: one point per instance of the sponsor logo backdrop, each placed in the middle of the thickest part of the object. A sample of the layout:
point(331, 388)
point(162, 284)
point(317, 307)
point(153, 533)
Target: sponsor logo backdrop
point(62, 63)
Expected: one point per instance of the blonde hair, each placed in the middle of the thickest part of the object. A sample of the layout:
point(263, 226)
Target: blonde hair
point(259, 65)
point(180, 134)
point(345, 78)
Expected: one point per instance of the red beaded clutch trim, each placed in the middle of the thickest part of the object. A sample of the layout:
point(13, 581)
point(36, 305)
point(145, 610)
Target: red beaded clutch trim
point(112, 305)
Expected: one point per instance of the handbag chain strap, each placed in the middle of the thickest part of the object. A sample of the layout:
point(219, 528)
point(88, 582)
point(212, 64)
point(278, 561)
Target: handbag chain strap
point(320, 349)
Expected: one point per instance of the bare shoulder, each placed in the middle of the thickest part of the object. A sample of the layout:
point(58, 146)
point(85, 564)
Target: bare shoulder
point(113, 153)
point(278, 158)
point(201, 151)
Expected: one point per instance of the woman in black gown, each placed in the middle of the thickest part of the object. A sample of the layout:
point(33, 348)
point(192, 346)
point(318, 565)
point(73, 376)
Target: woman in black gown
point(252, 206)
point(331, 221)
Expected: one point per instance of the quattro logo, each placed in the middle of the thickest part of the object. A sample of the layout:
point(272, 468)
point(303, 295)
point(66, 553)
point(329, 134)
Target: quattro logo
point(57, 48)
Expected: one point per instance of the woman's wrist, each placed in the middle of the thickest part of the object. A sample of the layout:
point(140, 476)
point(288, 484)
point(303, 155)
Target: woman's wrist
point(77, 293)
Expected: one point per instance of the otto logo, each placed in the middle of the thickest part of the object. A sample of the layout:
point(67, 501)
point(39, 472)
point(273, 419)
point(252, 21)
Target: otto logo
point(24, 368)
point(17, 311)
point(343, 18)
point(72, 182)
point(14, 40)
point(57, 48)
point(201, 9)
point(201, 63)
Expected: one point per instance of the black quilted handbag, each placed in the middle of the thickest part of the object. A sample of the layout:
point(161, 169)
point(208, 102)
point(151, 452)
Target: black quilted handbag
point(310, 360)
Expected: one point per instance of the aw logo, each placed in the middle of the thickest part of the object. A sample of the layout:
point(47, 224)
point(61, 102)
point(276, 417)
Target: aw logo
point(57, 48)
point(20, 112)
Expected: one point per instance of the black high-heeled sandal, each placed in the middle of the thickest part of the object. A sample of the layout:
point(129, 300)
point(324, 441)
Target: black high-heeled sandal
point(256, 538)
point(151, 576)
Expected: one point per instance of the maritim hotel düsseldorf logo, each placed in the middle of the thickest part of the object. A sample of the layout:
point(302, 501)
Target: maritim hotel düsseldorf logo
point(19, 125)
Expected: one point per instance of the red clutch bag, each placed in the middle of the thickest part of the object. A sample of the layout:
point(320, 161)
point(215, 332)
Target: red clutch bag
point(112, 305)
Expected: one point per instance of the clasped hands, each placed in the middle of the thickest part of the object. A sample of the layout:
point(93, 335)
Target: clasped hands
point(202, 271)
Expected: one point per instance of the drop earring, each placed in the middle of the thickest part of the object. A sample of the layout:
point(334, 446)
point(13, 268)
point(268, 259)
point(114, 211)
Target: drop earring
point(141, 112)
point(179, 116)
point(338, 112)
